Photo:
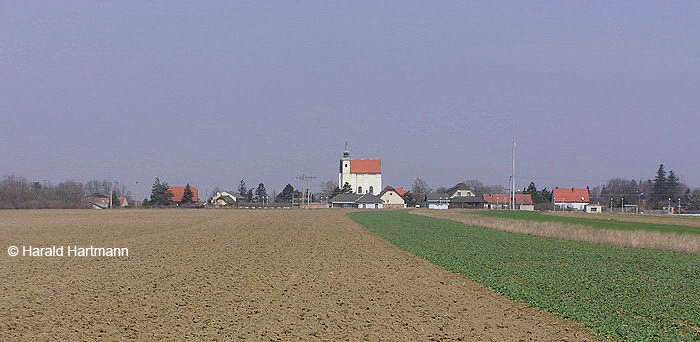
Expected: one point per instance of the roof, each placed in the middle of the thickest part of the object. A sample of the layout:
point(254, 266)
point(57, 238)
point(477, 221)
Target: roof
point(467, 199)
point(369, 198)
point(401, 191)
point(458, 186)
point(571, 195)
point(365, 166)
point(438, 196)
point(347, 197)
point(179, 192)
point(391, 188)
point(505, 198)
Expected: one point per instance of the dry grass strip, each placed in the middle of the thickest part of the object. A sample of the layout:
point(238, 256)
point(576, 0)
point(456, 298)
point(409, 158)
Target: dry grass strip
point(623, 238)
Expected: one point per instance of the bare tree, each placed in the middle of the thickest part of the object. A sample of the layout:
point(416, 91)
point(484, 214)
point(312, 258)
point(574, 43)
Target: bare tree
point(419, 189)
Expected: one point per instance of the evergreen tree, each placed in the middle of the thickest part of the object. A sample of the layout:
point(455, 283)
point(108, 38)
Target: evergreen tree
point(187, 195)
point(532, 190)
point(346, 188)
point(672, 185)
point(249, 195)
point(242, 191)
point(145, 203)
point(260, 192)
point(160, 195)
point(659, 194)
point(286, 194)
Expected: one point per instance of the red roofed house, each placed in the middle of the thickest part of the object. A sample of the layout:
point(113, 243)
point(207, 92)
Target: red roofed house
point(392, 198)
point(179, 191)
point(571, 198)
point(502, 201)
point(363, 175)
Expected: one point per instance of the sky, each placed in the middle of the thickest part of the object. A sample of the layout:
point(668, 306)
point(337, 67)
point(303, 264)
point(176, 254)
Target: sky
point(209, 93)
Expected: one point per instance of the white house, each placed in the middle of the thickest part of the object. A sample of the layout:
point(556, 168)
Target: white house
point(363, 175)
point(576, 199)
point(392, 198)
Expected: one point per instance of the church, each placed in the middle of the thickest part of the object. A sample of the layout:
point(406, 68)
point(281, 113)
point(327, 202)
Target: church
point(363, 175)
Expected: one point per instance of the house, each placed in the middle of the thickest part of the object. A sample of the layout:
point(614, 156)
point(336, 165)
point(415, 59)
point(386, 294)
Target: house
point(350, 200)
point(460, 189)
point(123, 202)
point(364, 176)
point(96, 201)
point(392, 198)
point(179, 192)
point(222, 199)
point(571, 198)
point(594, 208)
point(502, 201)
point(470, 202)
point(438, 200)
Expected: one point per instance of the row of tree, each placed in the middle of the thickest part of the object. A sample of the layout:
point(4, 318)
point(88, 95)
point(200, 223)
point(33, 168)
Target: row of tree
point(19, 193)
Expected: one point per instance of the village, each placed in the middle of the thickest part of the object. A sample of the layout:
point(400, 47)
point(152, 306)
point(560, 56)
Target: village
point(363, 188)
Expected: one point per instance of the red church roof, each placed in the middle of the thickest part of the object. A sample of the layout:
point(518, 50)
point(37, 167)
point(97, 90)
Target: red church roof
point(571, 195)
point(401, 191)
point(179, 191)
point(365, 166)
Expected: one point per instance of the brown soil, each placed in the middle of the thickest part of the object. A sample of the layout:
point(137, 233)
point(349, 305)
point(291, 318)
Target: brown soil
point(229, 275)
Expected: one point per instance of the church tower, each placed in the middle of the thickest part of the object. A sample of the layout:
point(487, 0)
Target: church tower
point(344, 173)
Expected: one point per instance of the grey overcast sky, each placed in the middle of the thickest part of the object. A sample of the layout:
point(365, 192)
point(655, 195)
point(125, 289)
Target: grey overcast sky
point(209, 92)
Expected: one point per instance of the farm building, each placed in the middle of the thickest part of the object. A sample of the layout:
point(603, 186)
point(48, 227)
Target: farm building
point(438, 200)
point(472, 202)
point(594, 208)
point(502, 201)
point(392, 198)
point(179, 191)
point(570, 198)
point(363, 175)
point(460, 190)
point(350, 200)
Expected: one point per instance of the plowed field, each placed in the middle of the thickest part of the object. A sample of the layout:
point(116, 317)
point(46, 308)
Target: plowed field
point(227, 275)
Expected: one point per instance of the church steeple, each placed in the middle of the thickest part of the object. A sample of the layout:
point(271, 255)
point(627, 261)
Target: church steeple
point(346, 152)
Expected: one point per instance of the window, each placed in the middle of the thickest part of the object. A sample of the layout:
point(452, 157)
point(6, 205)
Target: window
point(359, 189)
point(371, 190)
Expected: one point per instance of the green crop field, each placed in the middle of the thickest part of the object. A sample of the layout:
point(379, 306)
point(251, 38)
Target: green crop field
point(589, 222)
point(619, 293)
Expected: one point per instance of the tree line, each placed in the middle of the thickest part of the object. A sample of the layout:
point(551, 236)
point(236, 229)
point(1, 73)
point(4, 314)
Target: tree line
point(19, 193)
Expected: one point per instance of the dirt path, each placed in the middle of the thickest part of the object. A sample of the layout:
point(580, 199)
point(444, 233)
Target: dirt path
point(227, 275)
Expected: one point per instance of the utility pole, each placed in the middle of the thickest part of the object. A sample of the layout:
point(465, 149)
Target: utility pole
point(305, 189)
point(623, 204)
point(512, 198)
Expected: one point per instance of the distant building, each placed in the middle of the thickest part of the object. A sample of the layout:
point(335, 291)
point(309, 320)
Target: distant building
point(96, 201)
point(392, 198)
point(467, 202)
point(438, 200)
point(594, 208)
point(460, 189)
point(350, 200)
point(179, 191)
point(363, 175)
point(571, 198)
point(502, 201)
